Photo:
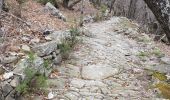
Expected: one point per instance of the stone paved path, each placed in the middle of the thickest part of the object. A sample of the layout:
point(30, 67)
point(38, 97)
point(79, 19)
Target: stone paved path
point(102, 67)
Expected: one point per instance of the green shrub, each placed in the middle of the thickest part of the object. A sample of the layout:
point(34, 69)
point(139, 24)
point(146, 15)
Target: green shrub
point(33, 82)
point(31, 57)
point(68, 43)
point(143, 54)
point(22, 88)
point(157, 52)
point(65, 49)
point(98, 17)
point(47, 64)
point(103, 9)
point(40, 81)
point(45, 1)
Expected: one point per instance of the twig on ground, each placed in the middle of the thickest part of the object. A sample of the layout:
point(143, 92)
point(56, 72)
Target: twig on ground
point(17, 18)
point(162, 37)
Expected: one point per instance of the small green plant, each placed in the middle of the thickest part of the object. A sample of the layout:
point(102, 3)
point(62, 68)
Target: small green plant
point(74, 33)
point(98, 17)
point(40, 81)
point(101, 14)
point(68, 43)
point(47, 64)
point(160, 76)
point(45, 1)
point(157, 52)
point(143, 54)
point(22, 88)
point(33, 82)
point(103, 9)
point(31, 56)
point(65, 49)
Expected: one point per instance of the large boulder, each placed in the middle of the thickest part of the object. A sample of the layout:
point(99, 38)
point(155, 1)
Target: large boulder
point(136, 10)
point(36, 64)
point(98, 72)
point(54, 11)
point(45, 48)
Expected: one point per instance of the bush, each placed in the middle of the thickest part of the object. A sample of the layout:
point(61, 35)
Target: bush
point(33, 82)
point(103, 9)
point(65, 49)
point(98, 17)
point(68, 43)
point(45, 1)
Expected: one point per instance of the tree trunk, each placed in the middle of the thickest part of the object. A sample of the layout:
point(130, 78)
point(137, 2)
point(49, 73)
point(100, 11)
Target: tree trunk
point(111, 6)
point(132, 9)
point(161, 10)
point(65, 3)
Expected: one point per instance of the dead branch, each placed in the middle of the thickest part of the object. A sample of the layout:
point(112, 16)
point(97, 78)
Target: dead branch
point(17, 18)
point(74, 3)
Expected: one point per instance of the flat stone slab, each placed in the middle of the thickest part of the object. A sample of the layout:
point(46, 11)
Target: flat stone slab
point(98, 72)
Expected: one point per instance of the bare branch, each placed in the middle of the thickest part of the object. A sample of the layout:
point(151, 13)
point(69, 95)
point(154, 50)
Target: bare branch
point(74, 3)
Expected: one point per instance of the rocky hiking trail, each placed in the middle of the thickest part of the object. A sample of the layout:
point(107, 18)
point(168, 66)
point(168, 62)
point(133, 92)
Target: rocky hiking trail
point(112, 60)
point(107, 65)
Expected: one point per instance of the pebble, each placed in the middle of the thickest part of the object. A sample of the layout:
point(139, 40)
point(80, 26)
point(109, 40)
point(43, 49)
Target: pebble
point(8, 75)
point(25, 48)
point(50, 95)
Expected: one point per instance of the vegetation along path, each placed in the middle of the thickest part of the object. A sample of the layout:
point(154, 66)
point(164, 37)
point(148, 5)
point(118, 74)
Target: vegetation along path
point(109, 64)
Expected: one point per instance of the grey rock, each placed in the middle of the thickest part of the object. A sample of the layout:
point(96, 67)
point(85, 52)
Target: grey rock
point(9, 59)
point(2, 96)
point(26, 38)
point(6, 89)
point(35, 40)
point(48, 38)
point(58, 83)
point(8, 75)
point(73, 71)
point(165, 60)
point(58, 36)
point(54, 54)
point(48, 57)
point(88, 19)
point(1, 32)
point(37, 65)
point(72, 95)
point(58, 59)
point(79, 83)
point(105, 91)
point(26, 48)
point(86, 32)
point(57, 51)
point(96, 72)
point(45, 48)
point(160, 68)
point(54, 11)
point(9, 98)
point(94, 89)
point(15, 82)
